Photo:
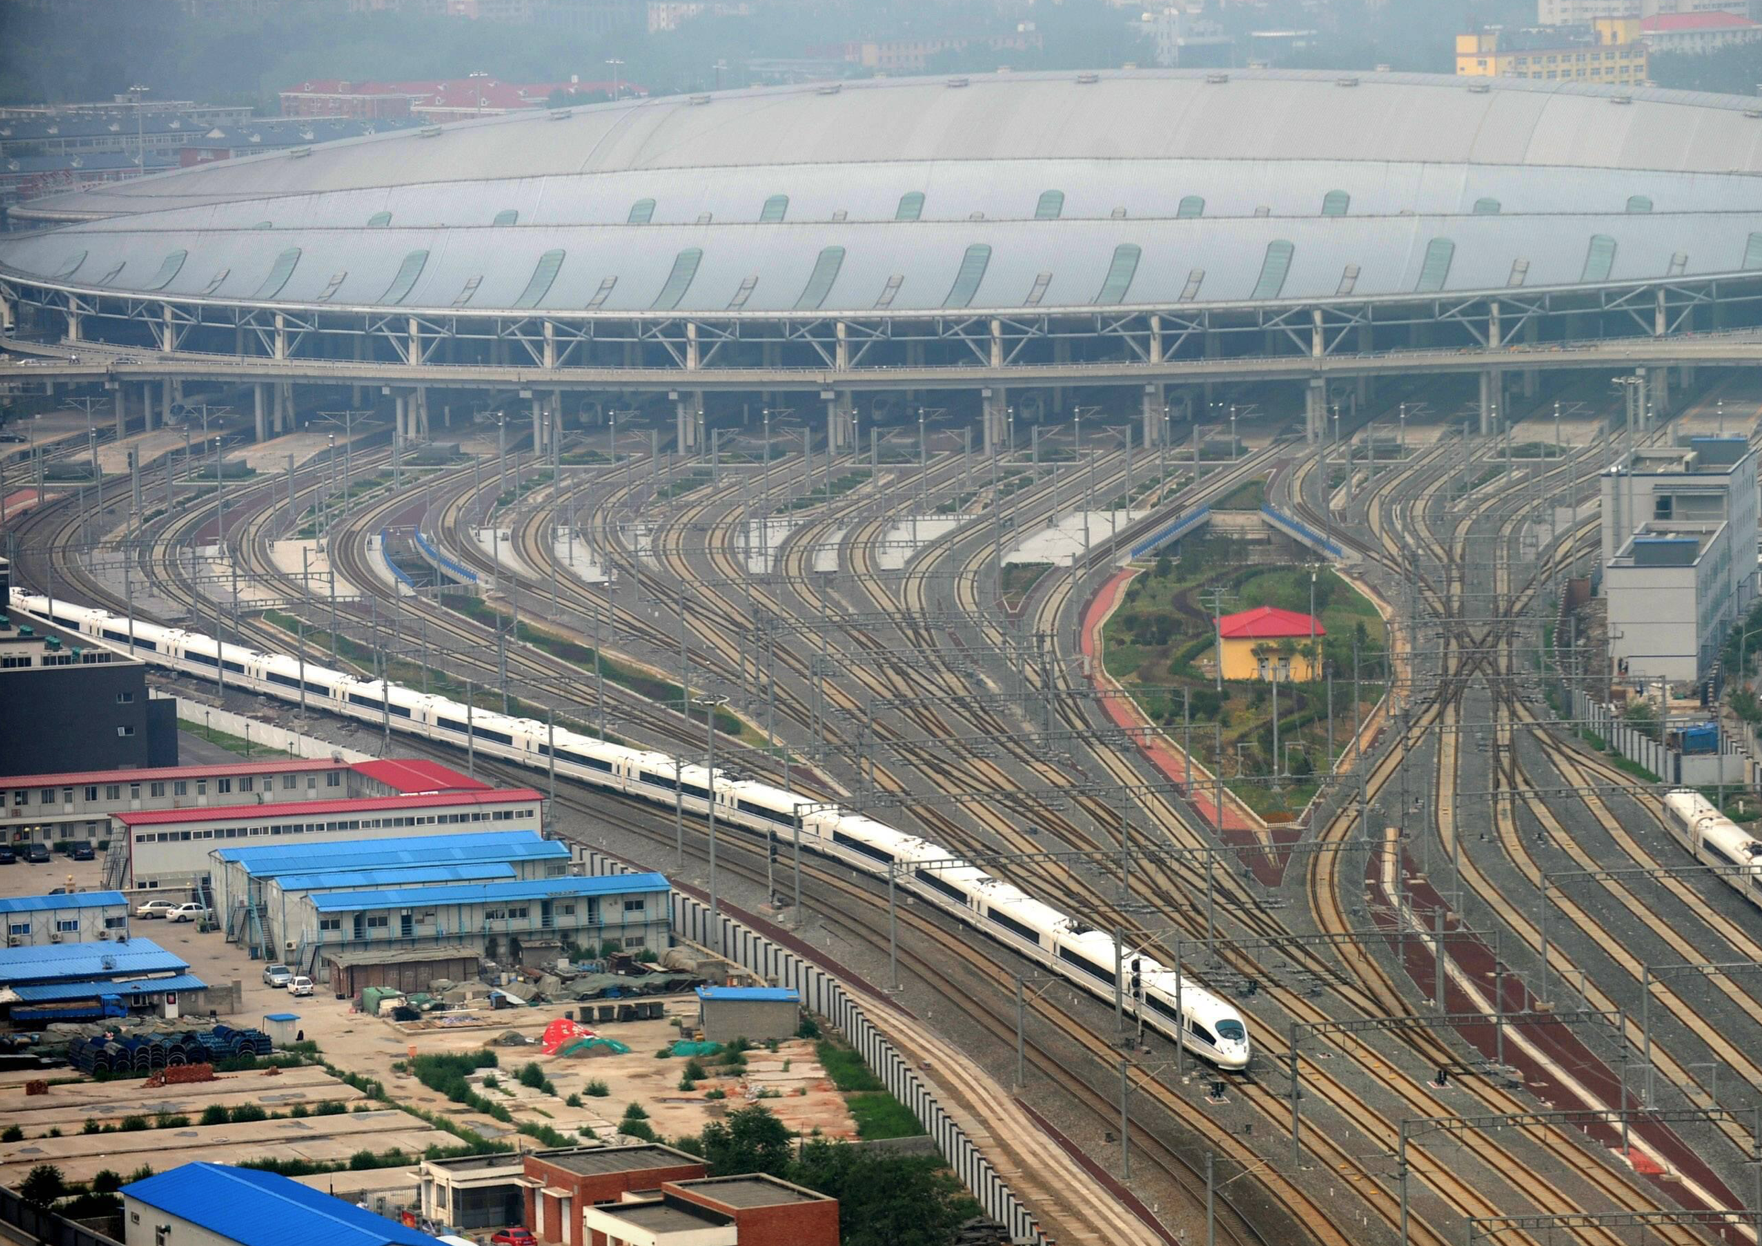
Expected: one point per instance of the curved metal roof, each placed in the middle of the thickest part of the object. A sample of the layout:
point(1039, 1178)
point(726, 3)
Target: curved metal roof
point(912, 196)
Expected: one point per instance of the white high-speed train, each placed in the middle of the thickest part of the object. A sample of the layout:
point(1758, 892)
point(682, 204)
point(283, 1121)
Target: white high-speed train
point(1714, 839)
point(1168, 1002)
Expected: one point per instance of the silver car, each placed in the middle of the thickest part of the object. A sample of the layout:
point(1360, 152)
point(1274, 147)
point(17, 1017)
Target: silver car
point(277, 976)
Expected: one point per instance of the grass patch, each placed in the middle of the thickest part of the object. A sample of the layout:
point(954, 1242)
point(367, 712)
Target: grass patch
point(1250, 495)
point(840, 486)
point(882, 1116)
point(232, 743)
point(846, 1068)
point(1019, 580)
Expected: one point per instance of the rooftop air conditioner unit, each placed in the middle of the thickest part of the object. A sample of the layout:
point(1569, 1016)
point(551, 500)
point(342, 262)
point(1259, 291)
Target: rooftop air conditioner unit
point(1346, 82)
point(1088, 79)
point(294, 153)
point(700, 99)
point(1216, 80)
point(1621, 99)
point(1753, 113)
point(831, 88)
point(957, 82)
point(1479, 88)
point(11, 940)
point(55, 937)
point(561, 114)
point(429, 131)
point(290, 946)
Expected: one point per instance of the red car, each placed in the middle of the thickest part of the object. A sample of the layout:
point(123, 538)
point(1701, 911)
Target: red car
point(514, 1237)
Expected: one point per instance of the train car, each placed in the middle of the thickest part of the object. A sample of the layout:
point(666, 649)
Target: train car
point(1714, 839)
point(1168, 1002)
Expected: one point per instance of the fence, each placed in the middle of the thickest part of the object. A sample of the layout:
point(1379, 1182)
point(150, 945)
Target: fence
point(823, 994)
point(261, 734)
point(1672, 766)
point(47, 1227)
point(440, 560)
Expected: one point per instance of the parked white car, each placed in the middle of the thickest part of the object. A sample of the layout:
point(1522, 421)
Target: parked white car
point(155, 908)
point(190, 912)
point(299, 984)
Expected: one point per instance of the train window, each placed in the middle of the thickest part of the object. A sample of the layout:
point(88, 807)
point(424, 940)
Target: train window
point(858, 845)
point(234, 667)
point(1202, 1034)
point(1166, 1010)
point(1009, 923)
point(284, 680)
point(655, 780)
point(451, 725)
point(692, 789)
point(929, 879)
point(1085, 964)
point(770, 815)
point(593, 763)
point(1231, 1030)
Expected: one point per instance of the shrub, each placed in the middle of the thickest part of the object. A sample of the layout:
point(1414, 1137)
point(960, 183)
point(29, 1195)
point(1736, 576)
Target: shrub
point(694, 1070)
point(331, 1107)
point(490, 1081)
point(718, 1093)
point(573, 1101)
point(133, 1124)
point(596, 1089)
point(140, 1174)
point(299, 1111)
point(171, 1120)
point(809, 1028)
point(13, 1133)
point(685, 1083)
point(531, 1076)
point(770, 1092)
point(247, 1112)
point(638, 1129)
point(107, 1181)
point(91, 1126)
point(54, 1132)
point(42, 1185)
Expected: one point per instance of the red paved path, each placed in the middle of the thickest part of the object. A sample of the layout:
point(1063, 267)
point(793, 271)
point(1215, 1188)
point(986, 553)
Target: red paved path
point(1168, 759)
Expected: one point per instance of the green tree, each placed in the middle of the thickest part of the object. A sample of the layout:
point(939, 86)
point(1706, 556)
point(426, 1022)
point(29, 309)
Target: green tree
point(749, 1140)
point(42, 1185)
point(885, 1200)
point(107, 1181)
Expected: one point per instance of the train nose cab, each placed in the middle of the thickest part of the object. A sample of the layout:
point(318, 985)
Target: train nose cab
point(1232, 1045)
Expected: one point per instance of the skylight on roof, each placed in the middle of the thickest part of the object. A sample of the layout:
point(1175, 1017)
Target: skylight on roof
point(820, 280)
point(278, 274)
point(1335, 203)
point(1273, 270)
point(539, 284)
point(379, 220)
point(169, 268)
point(1435, 271)
point(775, 208)
point(1191, 207)
point(1119, 274)
point(1639, 204)
point(911, 206)
point(1051, 205)
point(968, 276)
point(1599, 259)
point(408, 272)
point(1486, 207)
point(507, 216)
point(641, 212)
point(679, 280)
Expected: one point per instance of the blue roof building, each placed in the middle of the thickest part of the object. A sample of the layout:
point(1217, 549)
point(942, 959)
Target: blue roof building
point(377, 936)
point(87, 962)
point(751, 1012)
point(213, 1203)
point(78, 918)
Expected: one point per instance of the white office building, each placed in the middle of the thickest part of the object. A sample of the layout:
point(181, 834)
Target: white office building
point(1679, 555)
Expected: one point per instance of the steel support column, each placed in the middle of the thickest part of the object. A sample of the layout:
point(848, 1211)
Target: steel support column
point(257, 410)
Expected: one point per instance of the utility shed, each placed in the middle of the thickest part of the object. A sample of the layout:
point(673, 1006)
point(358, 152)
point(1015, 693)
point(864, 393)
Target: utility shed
point(750, 1012)
point(406, 969)
point(217, 1205)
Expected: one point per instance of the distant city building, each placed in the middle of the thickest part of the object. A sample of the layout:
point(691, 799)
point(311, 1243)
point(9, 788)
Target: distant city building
point(583, 16)
point(912, 56)
point(63, 697)
point(1679, 554)
point(1178, 38)
point(1583, 12)
point(457, 99)
point(1695, 34)
point(671, 14)
point(1507, 54)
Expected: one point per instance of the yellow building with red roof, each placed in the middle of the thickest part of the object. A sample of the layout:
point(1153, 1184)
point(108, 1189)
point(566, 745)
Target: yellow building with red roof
point(1268, 643)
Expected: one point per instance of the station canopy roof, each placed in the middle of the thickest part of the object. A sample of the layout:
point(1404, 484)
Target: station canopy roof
point(934, 196)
